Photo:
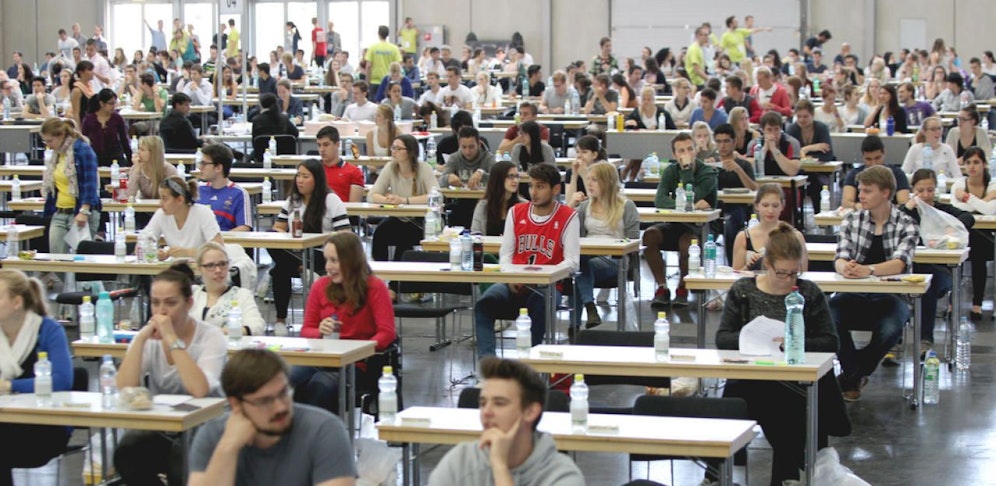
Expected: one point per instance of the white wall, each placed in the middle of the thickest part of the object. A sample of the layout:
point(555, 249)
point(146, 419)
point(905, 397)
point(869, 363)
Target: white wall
point(32, 26)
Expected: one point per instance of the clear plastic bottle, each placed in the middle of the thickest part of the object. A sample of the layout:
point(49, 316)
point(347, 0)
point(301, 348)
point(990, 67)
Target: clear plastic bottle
point(579, 405)
point(506, 157)
point(88, 323)
point(150, 248)
point(134, 145)
point(466, 252)
point(13, 243)
point(795, 328)
point(661, 122)
point(115, 174)
point(348, 149)
point(433, 121)
point(825, 200)
point(198, 157)
point(679, 198)
point(611, 123)
point(181, 171)
point(758, 157)
point(931, 379)
point(928, 157)
point(694, 256)
point(43, 380)
point(455, 254)
point(431, 225)
point(129, 218)
point(387, 401)
point(476, 116)
point(397, 113)
point(435, 201)
point(942, 182)
point(523, 333)
point(271, 145)
point(963, 345)
point(662, 337)
point(992, 165)
point(689, 198)
point(430, 148)
point(709, 262)
point(234, 323)
point(120, 247)
point(15, 188)
point(108, 383)
point(753, 221)
point(267, 190)
point(267, 159)
point(105, 318)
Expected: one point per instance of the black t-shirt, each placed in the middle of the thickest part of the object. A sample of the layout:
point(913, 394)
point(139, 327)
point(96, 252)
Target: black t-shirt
point(729, 178)
point(534, 90)
point(876, 254)
point(901, 181)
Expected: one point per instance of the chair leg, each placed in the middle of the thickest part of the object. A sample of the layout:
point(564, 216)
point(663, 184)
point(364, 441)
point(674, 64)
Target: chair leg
point(441, 340)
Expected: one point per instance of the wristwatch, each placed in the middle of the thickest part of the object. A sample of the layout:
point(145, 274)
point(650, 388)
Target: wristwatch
point(84, 211)
point(177, 344)
point(871, 270)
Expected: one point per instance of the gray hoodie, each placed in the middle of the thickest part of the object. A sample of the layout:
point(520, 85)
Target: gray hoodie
point(464, 168)
point(467, 464)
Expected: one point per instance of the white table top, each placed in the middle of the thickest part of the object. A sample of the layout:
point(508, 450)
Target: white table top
point(83, 409)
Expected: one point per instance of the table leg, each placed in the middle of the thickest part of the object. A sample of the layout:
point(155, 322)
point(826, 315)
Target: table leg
point(416, 464)
point(917, 369)
point(406, 470)
point(306, 266)
point(551, 314)
point(955, 314)
point(343, 397)
point(726, 472)
point(186, 438)
point(812, 424)
point(104, 459)
point(795, 206)
point(700, 327)
point(623, 271)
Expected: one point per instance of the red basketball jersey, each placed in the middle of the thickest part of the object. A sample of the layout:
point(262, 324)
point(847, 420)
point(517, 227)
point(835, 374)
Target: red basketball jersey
point(540, 243)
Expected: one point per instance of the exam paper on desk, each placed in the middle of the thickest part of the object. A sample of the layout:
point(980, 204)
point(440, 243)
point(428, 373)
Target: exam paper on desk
point(762, 337)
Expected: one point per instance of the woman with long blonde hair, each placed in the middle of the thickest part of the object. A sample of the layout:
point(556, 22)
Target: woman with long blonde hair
point(742, 134)
point(149, 168)
point(379, 139)
point(606, 213)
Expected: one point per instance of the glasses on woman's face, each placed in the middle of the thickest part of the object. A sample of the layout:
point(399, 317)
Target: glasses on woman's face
point(512, 176)
point(268, 402)
point(784, 273)
point(395, 148)
point(965, 119)
point(215, 265)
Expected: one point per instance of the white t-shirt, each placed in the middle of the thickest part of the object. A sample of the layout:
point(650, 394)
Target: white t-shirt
point(364, 112)
point(429, 97)
point(335, 217)
point(200, 227)
point(208, 348)
point(943, 159)
point(462, 95)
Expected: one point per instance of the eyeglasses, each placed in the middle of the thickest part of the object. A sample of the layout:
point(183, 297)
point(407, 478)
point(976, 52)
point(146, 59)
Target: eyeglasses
point(215, 265)
point(515, 176)
point(204, 163)
point(267, 402)
point(724, 140)
point(785, 274)
point(397, 149)
point(966, 119)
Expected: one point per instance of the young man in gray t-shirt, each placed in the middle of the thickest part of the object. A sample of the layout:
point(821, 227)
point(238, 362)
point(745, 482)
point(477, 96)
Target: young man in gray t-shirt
point(267, 439)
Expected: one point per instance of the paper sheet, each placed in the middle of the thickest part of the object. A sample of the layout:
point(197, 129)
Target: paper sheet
point(170, 400)
point(762, 337)
point(77, 234)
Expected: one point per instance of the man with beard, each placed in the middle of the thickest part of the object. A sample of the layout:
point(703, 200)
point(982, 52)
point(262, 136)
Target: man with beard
point(267, 439)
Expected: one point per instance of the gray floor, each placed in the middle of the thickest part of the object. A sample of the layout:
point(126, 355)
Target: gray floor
point(890, 445)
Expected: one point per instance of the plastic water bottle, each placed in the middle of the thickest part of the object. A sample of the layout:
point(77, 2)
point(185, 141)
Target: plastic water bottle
point(348, 149)
point(234, 323)
point(267, 190)
point(523, 333)
point(433, 121)
point(387, 401)
point(498, 157)
point(115, 174)
point(105, 318)
point(506, 157)
point(567, 106)
point(272, 145)
point(575, 102)
point(984, 123)
point(108, 383)
point(963, 345)
point(15, 188)
point(476, 117)
point(689, 198)
point(795, 328)
point(181, 171)
point(825, 200)
point(992, 165)
point(431, 225)
point(694, 256)
point(964, 100)
point(661, 121)
point(267, 159)
point(120, 248)
point(928, 157)
point(758, 157)
point(612, 123)
point(942, 182)
point(134, 145)
point(890, 126)
point(150, 248)
point(88, 324)
point(662, 337)
point(455, 254)
point(198, 157)
point(466, 252)
point(435, 201)
point(6, 108)
point(931, 379)
point(679, 198)
point(397, 113)
point(709, 262)
point(43, 380)
point(579, 405)
point(255, 78)
point(129, 218)
point(430, 148)
point(753, 221)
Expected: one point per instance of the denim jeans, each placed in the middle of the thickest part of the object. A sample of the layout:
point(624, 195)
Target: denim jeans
point(883, 314)
point(940, 284)
point(593, 269)
point(499, 302)
point(60, 226)
point(318, 387)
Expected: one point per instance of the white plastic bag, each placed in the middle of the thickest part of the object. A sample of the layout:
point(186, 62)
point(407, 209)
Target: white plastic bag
point(941, 230)
point(95, 458)
point(830, 472)
point(632, 318)
point(376, 463)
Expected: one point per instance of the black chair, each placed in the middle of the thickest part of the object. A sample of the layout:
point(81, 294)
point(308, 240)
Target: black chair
point(38, 244)
point(286, 145)
point(689, 407)
point(556, 400)
point(619, 338)
point(434, 310)
point(75, 298)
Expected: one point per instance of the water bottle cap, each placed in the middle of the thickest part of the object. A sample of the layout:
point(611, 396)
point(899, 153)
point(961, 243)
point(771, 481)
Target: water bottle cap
point(695, 241)
point(86, 299)
point(108, 357)
point(42, 355)
point(795, 288)
point(234, 302)
point(523, 311)
point(579, 378)
point(661, 315)
point(104, 295)
point(388, 370)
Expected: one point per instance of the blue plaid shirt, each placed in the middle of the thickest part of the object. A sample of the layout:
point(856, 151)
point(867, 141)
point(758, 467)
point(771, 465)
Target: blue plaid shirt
point(87, 179)
point(899, 236)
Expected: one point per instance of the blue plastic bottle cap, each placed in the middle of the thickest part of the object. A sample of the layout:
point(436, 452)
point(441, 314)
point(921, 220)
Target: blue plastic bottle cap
point(79, 258)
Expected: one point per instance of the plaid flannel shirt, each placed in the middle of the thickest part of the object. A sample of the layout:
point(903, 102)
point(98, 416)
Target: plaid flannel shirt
point(900, 235)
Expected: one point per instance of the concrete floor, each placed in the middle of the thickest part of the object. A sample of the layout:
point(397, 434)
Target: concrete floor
point(949, 443)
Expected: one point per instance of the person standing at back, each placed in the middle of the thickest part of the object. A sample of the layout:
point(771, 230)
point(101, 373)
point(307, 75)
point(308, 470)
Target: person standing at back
point(318, 40)
point(408, 37)
point(379, 58)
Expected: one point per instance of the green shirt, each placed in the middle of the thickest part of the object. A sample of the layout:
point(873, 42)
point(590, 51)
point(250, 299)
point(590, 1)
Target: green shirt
point(692, 57)
point(380, 56)
point(703, 179)
point(734, 44)
point(149, 105)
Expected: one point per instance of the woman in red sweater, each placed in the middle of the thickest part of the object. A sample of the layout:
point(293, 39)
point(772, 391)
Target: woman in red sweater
point(348, 303)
